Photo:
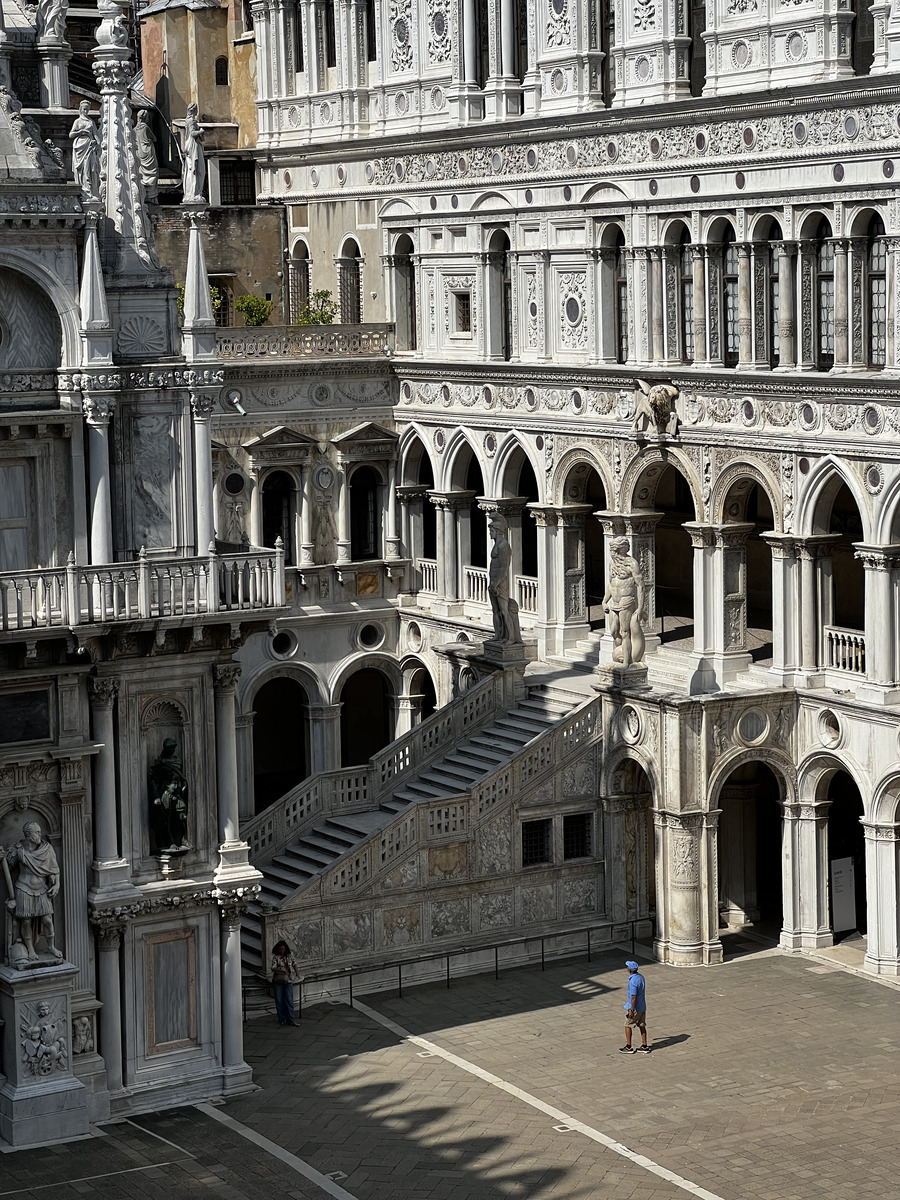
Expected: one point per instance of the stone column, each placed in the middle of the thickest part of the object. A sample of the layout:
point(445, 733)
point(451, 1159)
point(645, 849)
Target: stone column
point(841, 300)
point(786, 635)
point(54, 53)
point(657, 332)
point(231, 911)
point(882, 858)
point(699, 264)
point(805, 879)
point(73, 876)
point(714, 313)
point(103, 693)
point(307, 546)
point(448, 505)
point(703, 541)
point(391, 540)
point(549, 574)
point(727, 608)
point(880, 563)
point(688, 931)
point(814, 554)
point(786, 304)
point(745, 310)
point(808, 322)
point(98, 411)
point(203, 405)
point(232, 849)
point(109, 941)
point(342, 545)
point(324, 737)
point(470, 42)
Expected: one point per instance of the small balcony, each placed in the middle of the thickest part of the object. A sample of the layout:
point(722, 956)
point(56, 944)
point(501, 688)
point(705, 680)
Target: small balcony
point(266, 342)
point(151, 589)
point(845, 650)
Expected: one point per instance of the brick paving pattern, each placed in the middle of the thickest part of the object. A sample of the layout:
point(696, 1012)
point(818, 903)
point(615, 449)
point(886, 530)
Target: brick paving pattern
point(772, 1078)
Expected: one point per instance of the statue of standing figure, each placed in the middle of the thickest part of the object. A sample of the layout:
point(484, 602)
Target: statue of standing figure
point(148, 161)
point(168, 801)
point(31, 899)
point(86, 152)
point(624, 604)
point(50, 19)
point(193, 163)
point(504, 609)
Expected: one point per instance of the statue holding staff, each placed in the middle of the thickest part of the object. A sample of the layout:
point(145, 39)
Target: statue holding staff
point(36, 885)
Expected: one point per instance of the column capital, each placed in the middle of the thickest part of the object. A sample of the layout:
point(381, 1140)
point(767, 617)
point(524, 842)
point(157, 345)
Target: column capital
point(571, 515)
point(98, 410)
point(877, 558)
point(633, 524)
point(109, 937)
point(203, 404)
point(733, 535)
point(817, 545)
point(103, 691)
point(882, 833)
point(509, 506)
point(702, 536)
point(786, 248)
point(782, 545)
point(408, 492)
point(546, 516)
point(225, 676)
point(451, 501)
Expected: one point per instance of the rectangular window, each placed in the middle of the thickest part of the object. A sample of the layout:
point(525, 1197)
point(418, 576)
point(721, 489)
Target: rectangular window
point(622, 321)
point(14, 480)
point(462, 312)
point(536, 842)
point(237, 182)
point(687, 319)
point(172, 994)
point(577, 835)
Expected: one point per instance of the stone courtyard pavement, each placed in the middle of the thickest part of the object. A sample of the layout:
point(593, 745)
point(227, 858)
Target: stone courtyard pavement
point(773, 1077)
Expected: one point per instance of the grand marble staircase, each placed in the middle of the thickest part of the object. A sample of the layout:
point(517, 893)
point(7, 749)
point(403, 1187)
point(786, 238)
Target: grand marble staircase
point(459, 765)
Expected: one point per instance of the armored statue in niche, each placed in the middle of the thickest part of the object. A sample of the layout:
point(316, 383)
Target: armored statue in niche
point(504, 609)
point(86, 152)
point(168, 790)
point(624, 604)
point(30, 900)
point(193, 163)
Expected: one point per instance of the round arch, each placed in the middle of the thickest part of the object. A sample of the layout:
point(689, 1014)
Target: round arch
point(610, 232)
point(674, 229)
point(641, 479)
point(618, 762)
point(374, 659)
point(781, 766)
point(716, 228)
point(810, 222)
point(281, 737)
point(491, 202)
point(248, 685)
point(816, 770)
point(64, 305)
point(764, 227)
point(367, 689)
point(597, 192)
point(558, 490)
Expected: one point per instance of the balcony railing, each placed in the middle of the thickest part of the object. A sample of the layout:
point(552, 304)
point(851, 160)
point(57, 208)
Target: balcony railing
point(476, 579)
point(305, 341)
point(845, 650)
point(428, 568)
point(148, 589)
point(526, 593)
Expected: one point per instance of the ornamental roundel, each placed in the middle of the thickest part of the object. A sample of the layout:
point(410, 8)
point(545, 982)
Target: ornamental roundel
point(630, 725)
point(490, 445)
point(741, 55)
point(872, 420)
point(874, 479)
point(558, 81)
point(795, 47)
point(829, 729)
point(440, 441)
point(437, 99)
point(808, 416)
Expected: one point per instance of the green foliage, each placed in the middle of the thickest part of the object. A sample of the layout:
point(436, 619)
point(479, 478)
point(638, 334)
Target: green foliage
point(217, 298)
point(319, 309)
point(256, 310)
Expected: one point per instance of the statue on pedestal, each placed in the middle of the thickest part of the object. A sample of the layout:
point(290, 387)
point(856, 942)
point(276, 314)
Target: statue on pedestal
point(624, 604)
point(86, 152)
point(504, 610)
point(148, 162)
point(31, 900)
point(50, 20)
point(168, 802)
point(193, 163)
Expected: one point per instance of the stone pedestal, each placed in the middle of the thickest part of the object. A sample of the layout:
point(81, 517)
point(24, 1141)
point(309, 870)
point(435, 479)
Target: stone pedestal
point(41, 1100)
point(612, 675)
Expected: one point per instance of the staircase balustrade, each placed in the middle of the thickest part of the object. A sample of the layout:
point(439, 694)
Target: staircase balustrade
point(144, 590)
point(361, 789)
point(578, 729)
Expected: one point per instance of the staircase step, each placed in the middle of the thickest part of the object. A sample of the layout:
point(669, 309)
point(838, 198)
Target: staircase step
point(445, 774)
point(521, 719)
point(301, 849)
point(357, 825)
point(501, 740)
point(328, 842)
point(295, 872)
point(545, 706)
point(425, 791)
point(477, 766)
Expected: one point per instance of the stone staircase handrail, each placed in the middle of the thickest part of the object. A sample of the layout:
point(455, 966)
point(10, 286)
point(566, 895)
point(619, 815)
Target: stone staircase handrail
point(148, 589)
point(358, 789)
point(578, 728)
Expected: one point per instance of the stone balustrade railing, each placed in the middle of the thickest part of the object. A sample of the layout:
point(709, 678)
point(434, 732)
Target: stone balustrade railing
point(476, 579)
point(148, 589)
point(516, 778)
point(305, 341)
point(526, 593)
point(359, 789)
point(428, 568)
point(845, 650)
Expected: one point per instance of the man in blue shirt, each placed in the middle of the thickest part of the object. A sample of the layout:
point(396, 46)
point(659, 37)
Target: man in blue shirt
point(635, 1010)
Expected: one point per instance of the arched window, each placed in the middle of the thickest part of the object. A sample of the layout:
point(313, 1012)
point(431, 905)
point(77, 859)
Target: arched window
point(299, 17)
point(621, 289)
point(298, 282)
point(365, 515)
point(499, 303)
point(222, 72)
point(876, 268)
point(824, 293)
point(350, 282)
point(686, 294)
point(278, 499)
point(405, 309)
point(730, 300)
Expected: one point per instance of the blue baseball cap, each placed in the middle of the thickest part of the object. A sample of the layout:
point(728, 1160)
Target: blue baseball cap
point(632, 966)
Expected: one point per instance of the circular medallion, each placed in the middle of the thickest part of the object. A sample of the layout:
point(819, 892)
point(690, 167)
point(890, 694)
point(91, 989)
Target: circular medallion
point(695, 183)
point(653, 187)
point(739, 181)
point(837, 172)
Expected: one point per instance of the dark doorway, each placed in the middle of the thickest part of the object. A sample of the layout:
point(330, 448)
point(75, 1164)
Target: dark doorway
point(365, 515)
point(278, 512)
point(848, 572)
point(674, 557)
point(594, 563)
point(846, 840)
point(750, 849)
point(366, 717)
point(477, 518)
point(421, 687)
point(280, 740)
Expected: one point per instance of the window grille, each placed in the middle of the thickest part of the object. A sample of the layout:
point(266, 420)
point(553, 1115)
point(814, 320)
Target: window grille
point(535, 842)
point(730, 305)
point(577, 835)
point(686, 268)
point(825, 303)
point(877, 281)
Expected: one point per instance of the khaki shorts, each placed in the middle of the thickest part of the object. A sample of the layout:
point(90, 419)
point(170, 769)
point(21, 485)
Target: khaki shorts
point(638, 1021)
